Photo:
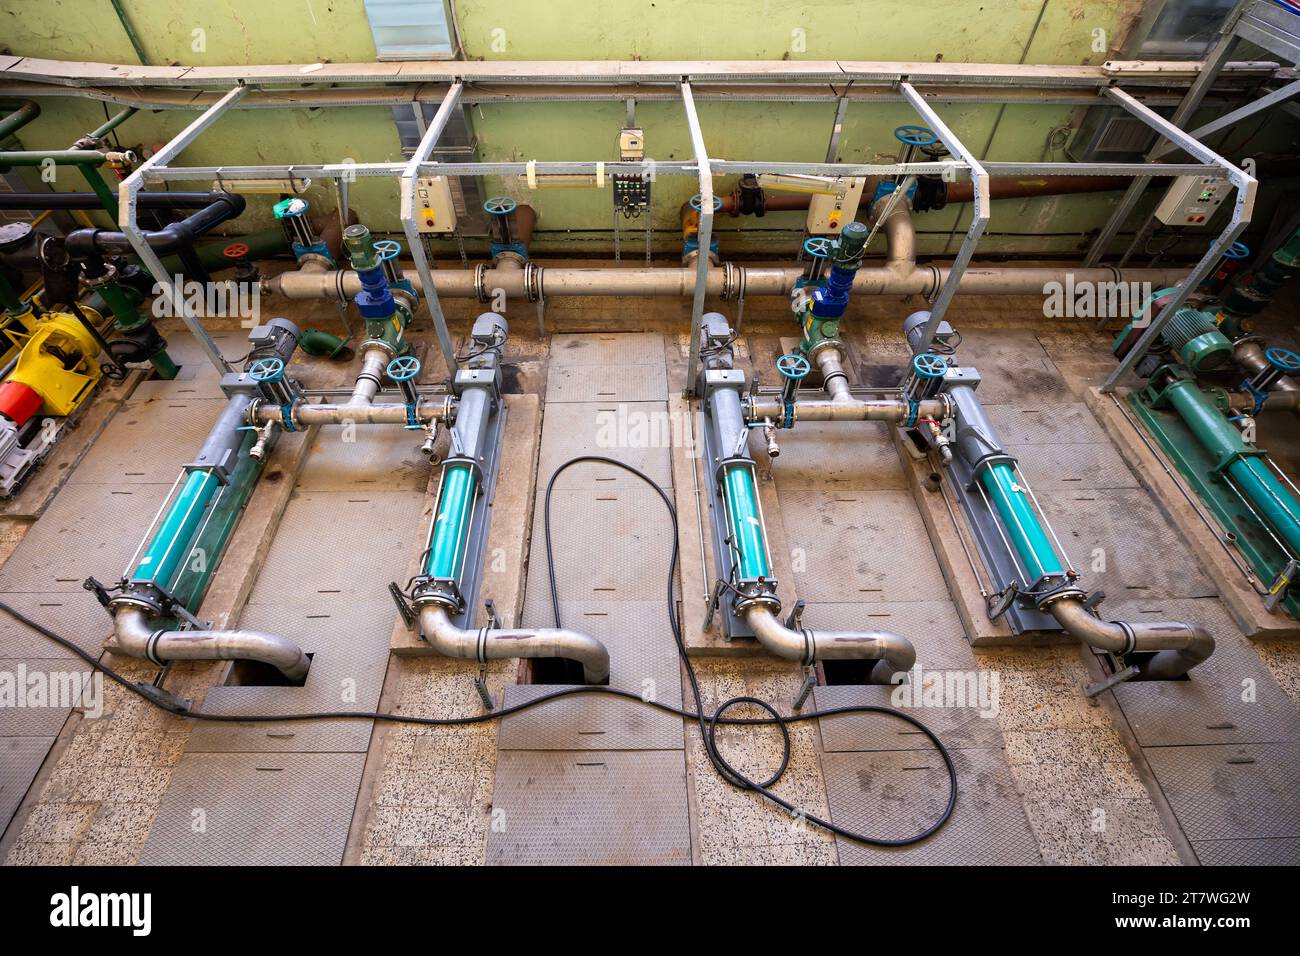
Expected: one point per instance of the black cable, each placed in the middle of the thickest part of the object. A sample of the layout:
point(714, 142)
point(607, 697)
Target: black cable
point(708, 725)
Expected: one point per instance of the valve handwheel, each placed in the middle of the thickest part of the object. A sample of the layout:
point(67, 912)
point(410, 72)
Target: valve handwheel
point(499, 205)
point(697, 203)
point(236, 250)
point(929, 366)
point(915, 136)
point(1283, 359)
point(403, 368)
point(266, 370)
point(819, 247)
point(793, 366)
point(388, 249)
point(1238, 250)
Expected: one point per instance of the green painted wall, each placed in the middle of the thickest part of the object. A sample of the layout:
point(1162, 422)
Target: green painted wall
point(1034, 31)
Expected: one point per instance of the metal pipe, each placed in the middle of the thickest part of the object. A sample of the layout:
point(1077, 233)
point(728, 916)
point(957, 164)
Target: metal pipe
point(136, 637)
point(893, 653)
point(490, 643)
point(764, 281)
point(1178, 647)
point(373, 362)
point(854, 410)
point(24, 111)
point(1285, 392)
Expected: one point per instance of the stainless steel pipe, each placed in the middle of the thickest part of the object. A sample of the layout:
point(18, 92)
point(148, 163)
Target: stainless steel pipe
point(1179, 647)
point(853, 410)
point(763, 281)
point(893, 653)
point(499, 643)
point(136, 637)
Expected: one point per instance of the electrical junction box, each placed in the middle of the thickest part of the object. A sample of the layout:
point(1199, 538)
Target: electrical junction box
point(631, 144)
point(434, 210)
point(828, 214)
point(1192, 200)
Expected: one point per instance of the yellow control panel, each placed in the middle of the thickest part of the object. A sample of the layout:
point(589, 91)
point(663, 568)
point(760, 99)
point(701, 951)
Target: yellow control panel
point(435, 211)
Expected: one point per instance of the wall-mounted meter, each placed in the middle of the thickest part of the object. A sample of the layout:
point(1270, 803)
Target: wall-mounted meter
point(434, 210)
point(1192, 200)
point(829, 213)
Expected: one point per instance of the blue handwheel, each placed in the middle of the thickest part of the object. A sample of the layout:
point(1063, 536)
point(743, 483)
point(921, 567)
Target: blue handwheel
point(793, 366)
point(267, 370)
point(403, 368)
point(927, 365)
point(915, 136)
point(499, 205)
point(388, 249)
point(1238, 250)
point(697, 203)
point(1283, 359)
point(819, 247)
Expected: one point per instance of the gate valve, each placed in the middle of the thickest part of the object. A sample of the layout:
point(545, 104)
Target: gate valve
point(403, 371)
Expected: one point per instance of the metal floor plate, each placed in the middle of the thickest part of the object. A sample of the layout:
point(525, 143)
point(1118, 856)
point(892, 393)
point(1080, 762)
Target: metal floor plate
point(606, 348)
point(1046, 423)
point(860, 546)
point(616, 383)
point(933, 627)
point(590, 807)
point(833, 456)
point(20, 759)
point(63, 676)
point(1248, 852)
point(1235, 792)
point(87, 530)
point(76, 616)
point(255, 810)
point(129, 452)
point(1063, 467)
point(960, 728)
point(894, 794)
point(637, 433)
point(1127, 528)
point(365, 458)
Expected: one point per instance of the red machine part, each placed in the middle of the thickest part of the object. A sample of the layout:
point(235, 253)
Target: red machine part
point(19, 402)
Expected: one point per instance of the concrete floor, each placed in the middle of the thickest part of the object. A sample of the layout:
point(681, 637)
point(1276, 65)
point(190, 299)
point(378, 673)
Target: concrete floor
point(1081, 783)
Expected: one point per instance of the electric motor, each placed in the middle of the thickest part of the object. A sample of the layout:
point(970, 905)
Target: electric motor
point(1195, 337)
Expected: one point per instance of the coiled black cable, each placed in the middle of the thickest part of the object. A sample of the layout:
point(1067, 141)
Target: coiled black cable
point(708, 725)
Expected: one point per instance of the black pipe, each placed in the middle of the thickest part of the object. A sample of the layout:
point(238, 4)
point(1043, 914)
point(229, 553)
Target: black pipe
point(85, 243)
point(179, 200)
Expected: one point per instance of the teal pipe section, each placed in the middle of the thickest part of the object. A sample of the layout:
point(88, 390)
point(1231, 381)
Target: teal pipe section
point(1022, 524)
point(746, 525)
point(171, 543)
point(451, 524)
point(1245, 464)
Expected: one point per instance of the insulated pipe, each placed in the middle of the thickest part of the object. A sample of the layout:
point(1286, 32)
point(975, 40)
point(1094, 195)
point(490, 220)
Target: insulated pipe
point(506, 642)
point(135, 636)
point(1178, 647)
point(85, 243)
point(894, 653)
point(764, 281)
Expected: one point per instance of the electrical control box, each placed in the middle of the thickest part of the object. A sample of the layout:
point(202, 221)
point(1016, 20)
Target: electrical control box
point(829, 213)
point(1192, 200)
point(631, 144)
point(434, 210)
point(631, 190)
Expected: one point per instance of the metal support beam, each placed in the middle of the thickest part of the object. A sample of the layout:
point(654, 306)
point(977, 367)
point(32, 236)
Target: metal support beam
point(979, 205)
point(127, 193)
point(833, 145)
point(1268, 100)
point(1243, 207)
point(1191, 101)
point(415, 245)
point(704, 234)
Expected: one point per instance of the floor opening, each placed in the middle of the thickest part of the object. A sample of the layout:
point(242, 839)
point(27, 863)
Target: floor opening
point(259, 674)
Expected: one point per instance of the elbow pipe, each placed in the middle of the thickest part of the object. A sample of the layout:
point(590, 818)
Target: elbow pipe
point(89, 243)
point(490, 643)
point(1178, 647)
point(137, 638)
point(893, 652)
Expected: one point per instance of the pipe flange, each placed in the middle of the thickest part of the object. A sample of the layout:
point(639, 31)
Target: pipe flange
point(316, 259)
point(1065, 591)
point(95, 282)
point(764, 598)
point(437, 591)
point(379, 344)
point(532, 282)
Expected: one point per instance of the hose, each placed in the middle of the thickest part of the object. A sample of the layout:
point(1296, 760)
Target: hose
point(708, 724)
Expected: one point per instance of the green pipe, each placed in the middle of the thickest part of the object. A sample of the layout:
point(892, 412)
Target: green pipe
point(171, 542)
point(746, 525)
point(1243, 462)
point(9, 298)
point(130, 31)
point(1022, 524)
point(451, 523)
point(107, 198)
point(24, 113)
point(61, 157)
point(195, 573)
point(114, 122)
point(316, 342)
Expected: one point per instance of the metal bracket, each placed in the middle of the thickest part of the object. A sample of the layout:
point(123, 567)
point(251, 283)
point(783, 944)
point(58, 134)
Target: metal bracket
point(715, 600)
point(494, 620)
point(794, 620)
point(1094, 600)
point(805, 689)
point(403, 606)
point(1000, 603)
point(1106, 684)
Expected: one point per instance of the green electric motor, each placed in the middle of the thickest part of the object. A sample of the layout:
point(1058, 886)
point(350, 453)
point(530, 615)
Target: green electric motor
point(1192, 335)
